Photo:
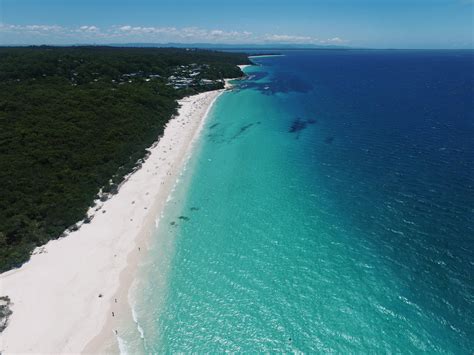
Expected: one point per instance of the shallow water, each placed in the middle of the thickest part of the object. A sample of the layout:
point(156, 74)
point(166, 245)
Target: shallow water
point(328, 206)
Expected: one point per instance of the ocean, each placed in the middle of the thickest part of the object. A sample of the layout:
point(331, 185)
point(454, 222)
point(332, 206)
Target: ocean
point(328, 206)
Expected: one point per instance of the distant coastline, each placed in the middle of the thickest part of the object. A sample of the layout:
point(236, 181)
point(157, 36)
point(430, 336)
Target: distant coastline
point(265, 55)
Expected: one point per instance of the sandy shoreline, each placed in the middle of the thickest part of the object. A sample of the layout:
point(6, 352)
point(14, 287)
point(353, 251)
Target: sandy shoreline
point(243, 66)
point(265, 55)
point(63, 298)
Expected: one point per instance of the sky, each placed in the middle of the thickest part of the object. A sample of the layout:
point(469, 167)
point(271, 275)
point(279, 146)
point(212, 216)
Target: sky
point(356, 23)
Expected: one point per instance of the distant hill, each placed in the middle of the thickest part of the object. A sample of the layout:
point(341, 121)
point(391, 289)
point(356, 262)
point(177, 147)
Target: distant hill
point(272, 46)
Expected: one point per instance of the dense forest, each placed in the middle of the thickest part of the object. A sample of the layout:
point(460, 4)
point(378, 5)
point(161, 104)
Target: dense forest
point(76, 120)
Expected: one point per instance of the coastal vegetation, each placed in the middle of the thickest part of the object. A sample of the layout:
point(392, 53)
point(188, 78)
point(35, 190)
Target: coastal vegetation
point(75, 120)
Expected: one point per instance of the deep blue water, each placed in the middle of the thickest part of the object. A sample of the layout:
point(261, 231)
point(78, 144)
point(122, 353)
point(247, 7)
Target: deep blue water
point(330, 207)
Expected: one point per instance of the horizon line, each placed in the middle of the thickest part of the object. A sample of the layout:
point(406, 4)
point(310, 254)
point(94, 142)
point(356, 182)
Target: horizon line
point(244, 46)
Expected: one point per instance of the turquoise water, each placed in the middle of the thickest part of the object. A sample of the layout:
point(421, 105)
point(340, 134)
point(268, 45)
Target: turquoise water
point(328, 206)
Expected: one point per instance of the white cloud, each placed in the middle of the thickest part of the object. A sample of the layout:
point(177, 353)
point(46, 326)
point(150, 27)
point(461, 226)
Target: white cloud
point(30, 28)
point(180, 34)
point(334, 40)
point(129, 33)
point(144, 30)
point(89, 29)
point(289, 39)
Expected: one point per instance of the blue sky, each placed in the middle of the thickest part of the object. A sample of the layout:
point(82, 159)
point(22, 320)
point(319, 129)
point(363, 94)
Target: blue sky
point(359, 23)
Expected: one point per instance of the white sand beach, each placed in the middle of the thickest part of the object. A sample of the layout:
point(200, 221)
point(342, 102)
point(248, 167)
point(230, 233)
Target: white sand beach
point(265, 55)
point(243, 66)
point(63, 298)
